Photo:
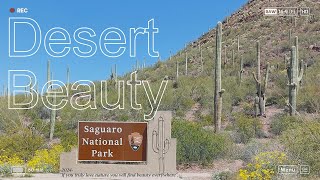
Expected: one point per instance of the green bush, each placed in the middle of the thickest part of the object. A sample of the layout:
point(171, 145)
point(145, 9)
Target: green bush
point(23, 142)
point(206, 120)
point(69, 139)
point(250, 150)
point(195, 144)
point(281, 123)
point(246, 128)
point(302, 141)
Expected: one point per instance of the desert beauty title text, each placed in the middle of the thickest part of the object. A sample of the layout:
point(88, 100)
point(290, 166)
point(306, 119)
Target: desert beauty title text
point(58, 43)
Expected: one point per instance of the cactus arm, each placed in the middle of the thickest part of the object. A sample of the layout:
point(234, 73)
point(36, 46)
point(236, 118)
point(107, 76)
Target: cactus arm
point(301, 71)
point(255, 78)
point(305, 69)
point(289, 74)
point(232, 57)
point(266, 78)
point(256, 106)
point(52, 117)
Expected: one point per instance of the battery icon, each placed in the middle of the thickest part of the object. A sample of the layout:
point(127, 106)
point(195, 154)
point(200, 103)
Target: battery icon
point(304, 11)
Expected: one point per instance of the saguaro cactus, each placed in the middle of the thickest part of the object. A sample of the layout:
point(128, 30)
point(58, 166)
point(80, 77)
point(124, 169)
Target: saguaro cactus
point(30, 87)
point(261, 85)
point(218, 91)
point(112, 74)
point(238, 43)
point(160, 144)
point(115, 73)
point(52, 110)
point(144, 63)
point(296, 44)
point(52, 117)
point(285, 61)
point(290, 35)
point(201, 59)
point(137, 65)
point(68, 78)
point(232, 57)
point(241, 70)
point(295, 76)
point(225, 55)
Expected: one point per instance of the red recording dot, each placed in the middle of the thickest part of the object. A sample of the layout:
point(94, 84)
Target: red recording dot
point(12, 10)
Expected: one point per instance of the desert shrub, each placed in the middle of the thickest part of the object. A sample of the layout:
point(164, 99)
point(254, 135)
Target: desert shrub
point(302, 142)
point(264, 166)
point(246, 128)
point(248, 108)
point(309, 96)
point(69, 139)
point(281, 123)
point(65, 131)
point(11, 160)
point(22, 142)
point(47, 160)
point(251, 149)
point(195, 144)
point(206, 120)
point(9, 118)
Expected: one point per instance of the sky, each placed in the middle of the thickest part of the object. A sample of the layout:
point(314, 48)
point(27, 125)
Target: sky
point(178, 22)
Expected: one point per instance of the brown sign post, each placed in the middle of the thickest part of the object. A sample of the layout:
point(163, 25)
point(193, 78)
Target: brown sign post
point(112, 141)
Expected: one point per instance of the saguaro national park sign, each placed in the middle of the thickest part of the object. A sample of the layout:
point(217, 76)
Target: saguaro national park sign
point(112, 141)
point(148, 147)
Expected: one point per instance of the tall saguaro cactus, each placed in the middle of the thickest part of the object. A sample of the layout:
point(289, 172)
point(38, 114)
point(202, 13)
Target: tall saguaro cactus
point(225, 55)
point(238, 43)
point(160, 144)
point(261, 85)
point(53, 100)
point(68, 79)
point(290, 35)
point(137, 65)
point(232, 57)
point(217, 78)
point(52, 117)
point(285, 61)
point(241, 70)
point(295, 76)
point(115, 73)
